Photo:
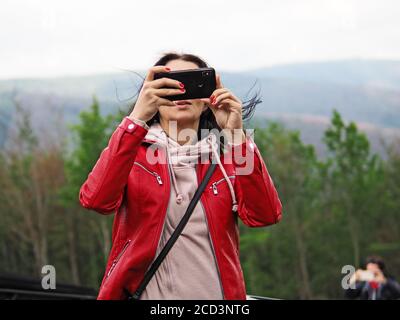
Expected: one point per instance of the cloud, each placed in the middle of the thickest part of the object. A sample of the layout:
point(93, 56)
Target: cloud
point(48, 38)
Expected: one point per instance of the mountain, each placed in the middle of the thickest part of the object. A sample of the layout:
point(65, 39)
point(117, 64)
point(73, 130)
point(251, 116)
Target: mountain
point(300, 95)
point(374, 73)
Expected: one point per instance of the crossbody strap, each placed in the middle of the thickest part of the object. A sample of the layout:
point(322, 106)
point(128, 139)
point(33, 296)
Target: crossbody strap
point(177, 232)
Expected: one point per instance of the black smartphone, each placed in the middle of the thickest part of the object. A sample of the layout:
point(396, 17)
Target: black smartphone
point(199, 83)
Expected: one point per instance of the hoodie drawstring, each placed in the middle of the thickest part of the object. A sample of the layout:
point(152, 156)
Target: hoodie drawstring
point(179, 196)
point(211, 140)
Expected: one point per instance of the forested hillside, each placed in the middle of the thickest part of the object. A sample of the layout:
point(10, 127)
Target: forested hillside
point(336, 209)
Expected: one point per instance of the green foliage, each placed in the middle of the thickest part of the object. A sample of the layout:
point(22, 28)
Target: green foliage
point(294, 168)
point(90, 136)
point(44, 221)
point(336, 211)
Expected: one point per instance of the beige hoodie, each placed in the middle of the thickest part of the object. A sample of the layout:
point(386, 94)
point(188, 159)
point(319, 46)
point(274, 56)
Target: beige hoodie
point(189, 270)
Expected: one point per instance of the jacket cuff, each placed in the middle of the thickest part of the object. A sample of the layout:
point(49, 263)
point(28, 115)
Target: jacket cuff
point(132, 127)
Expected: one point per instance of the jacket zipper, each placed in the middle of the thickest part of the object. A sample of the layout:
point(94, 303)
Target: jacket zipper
point(215, 184)
point(153, 173)
point(165, 213)
point(212, 245)
point(126, 245)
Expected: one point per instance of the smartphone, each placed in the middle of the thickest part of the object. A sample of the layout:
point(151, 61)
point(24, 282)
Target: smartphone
point(199, 83)
point(366, 276)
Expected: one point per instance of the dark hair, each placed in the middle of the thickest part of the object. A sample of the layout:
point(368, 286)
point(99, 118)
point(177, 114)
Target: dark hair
point(376, 260)
point(207, 118)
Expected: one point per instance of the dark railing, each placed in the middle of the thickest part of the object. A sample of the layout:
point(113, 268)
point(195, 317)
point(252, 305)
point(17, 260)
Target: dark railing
point(253, 297)
point(13, 287)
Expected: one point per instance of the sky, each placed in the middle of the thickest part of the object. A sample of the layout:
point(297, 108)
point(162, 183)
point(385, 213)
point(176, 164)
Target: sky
point(50, 38)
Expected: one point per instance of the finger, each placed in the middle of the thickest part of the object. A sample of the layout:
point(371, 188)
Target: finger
point(235, 98)
point(168, 92)
point(217, 92)
point(165, 102)
point(224, 95)
point(155, 69)
point(229, 103)
point(206, 100)
point(166, 82)
point(214, 109)
point(218, 81)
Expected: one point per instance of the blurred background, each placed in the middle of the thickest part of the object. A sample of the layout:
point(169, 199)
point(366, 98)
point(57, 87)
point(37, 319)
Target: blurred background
point(329, 127)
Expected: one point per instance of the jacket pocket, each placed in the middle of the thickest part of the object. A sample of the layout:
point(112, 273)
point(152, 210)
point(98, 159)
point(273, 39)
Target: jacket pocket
point(214, 185)
point(153, 173)
point(118, 258)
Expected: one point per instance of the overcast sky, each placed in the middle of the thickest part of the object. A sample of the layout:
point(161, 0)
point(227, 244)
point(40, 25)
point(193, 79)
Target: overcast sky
point(41, 38)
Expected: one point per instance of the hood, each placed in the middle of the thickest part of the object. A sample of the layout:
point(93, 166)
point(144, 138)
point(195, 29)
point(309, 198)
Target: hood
point(188, 154)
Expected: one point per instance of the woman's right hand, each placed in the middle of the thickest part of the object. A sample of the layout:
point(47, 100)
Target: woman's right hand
point(152, 93)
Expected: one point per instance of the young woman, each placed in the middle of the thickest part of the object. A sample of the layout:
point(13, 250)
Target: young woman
point(148, 174)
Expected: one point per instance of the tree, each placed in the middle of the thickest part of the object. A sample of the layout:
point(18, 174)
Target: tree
point(86, 232)
point(29, 182)
point(353, 173)
point(294, 168)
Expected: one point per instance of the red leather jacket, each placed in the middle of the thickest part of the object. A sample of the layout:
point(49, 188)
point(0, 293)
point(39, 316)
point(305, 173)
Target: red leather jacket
point(125, 183)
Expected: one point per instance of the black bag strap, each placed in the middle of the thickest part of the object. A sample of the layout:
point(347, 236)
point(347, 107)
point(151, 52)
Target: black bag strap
point(177, 232)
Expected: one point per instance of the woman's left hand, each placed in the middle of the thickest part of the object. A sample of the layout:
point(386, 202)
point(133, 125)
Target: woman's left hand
point(227, 108)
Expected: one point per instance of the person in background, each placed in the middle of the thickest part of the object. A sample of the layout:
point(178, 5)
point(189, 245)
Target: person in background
point(373, 283)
